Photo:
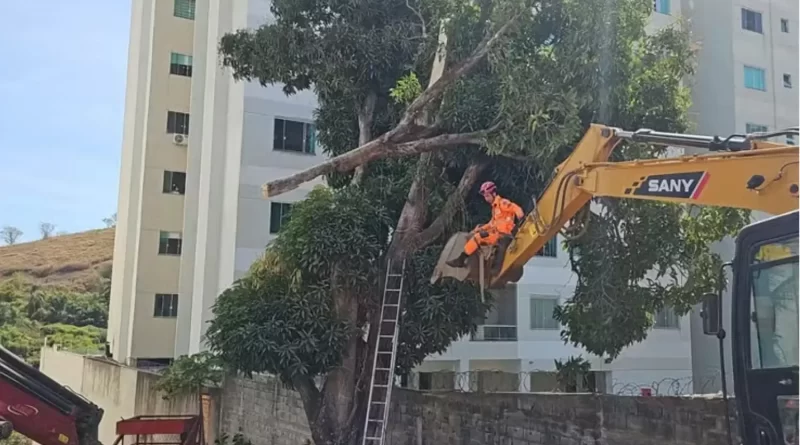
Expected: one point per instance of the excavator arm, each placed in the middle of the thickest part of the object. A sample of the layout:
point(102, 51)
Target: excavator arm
point(741, 172)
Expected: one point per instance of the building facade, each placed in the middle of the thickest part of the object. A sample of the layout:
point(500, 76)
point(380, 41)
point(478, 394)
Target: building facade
point(191, 218)
point(746, 81)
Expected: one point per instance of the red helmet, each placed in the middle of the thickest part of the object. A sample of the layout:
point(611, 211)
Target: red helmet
point(488, 187)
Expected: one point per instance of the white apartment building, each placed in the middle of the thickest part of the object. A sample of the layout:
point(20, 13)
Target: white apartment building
point(191, 217)
point(746, 81)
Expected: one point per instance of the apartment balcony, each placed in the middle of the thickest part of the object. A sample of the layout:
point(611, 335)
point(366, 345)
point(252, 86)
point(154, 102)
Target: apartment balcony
point(495, 332)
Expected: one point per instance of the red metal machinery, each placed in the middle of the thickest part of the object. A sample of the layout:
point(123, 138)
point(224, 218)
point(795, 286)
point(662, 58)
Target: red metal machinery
point(160, 430)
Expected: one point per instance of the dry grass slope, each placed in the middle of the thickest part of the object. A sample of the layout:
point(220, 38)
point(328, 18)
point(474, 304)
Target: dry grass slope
point(73, 261)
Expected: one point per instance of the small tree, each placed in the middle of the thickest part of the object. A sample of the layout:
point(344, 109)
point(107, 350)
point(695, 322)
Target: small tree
point(46, 229)
point(10, 234)
point(111, 221)
point(189, 374)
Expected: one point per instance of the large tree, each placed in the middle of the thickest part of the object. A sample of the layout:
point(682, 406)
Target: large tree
point(523, 80)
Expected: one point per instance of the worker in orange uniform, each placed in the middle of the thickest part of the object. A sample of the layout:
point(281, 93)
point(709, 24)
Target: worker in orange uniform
point(504, 216)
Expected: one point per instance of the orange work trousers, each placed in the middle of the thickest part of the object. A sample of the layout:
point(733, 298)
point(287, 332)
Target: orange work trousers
point(491, 238)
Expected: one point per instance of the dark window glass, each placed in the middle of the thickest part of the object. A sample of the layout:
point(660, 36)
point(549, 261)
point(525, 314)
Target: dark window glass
point(177, 122)
point(166, 305)
point(174, 182)
point(279, 213)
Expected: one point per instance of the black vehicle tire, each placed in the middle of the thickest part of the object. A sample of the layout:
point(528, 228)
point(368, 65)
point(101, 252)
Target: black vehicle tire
point(6, 428)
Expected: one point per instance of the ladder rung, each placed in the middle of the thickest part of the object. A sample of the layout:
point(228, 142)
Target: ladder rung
point(372, 438)
point(395, 275)
point(391, 304)
point(387, 336)
point(379, 403)
point(377, 385)
point(382, 369)
point(394, 290)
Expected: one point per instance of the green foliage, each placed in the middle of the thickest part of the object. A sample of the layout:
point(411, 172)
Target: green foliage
point(572, 63)
point(189, 374)
point(238, 439)
point(28, 314)
point(569, 373)
point(281, 318)
point(408, 88)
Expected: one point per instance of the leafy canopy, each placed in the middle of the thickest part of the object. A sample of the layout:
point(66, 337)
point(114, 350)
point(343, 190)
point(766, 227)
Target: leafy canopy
point(571, 63)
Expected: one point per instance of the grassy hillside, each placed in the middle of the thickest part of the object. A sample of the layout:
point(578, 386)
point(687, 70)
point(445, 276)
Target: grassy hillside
point(75, 261)
point(56, 289)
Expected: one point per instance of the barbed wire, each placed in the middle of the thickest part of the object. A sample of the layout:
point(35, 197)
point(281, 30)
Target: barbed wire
point(544, 381)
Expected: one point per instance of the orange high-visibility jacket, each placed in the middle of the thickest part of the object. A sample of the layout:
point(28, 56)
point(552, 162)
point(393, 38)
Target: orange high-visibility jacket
point(503, 213)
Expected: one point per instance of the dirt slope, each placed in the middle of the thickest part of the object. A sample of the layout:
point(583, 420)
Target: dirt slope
point(74, 261)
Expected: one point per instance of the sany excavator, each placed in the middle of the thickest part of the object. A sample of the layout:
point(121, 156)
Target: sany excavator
point(740, 171)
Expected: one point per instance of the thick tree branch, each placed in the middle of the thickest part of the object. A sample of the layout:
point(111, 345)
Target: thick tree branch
point(366, 115)
point(397, 142)
point(309, 393)
point(377, 149)
point(435, 91)
point(454, 203)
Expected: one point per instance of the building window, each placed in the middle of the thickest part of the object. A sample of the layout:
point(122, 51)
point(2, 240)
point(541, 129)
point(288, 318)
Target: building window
point(755, 128)
point(169, 243)
point(790, 140)
point(542, 313)
point(751, 20)
point(661, 6)
point(166, 305)
point(185, 9)
point(550, 249)
point(177, 123)
point(294, 136)
point(755, 78)
point(787, 80)
point(180, 64)
point(785, 25)
point(278, 215)
point(666, 318)
point(174, 182)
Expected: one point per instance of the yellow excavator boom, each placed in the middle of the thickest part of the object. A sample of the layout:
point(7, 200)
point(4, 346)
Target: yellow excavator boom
point(746, 172)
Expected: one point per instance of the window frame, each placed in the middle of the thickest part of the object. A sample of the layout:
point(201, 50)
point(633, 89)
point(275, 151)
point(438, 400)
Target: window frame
point(166, 248)
point(787, 80)
point(667, 312)
point(158, 306)
point(660, 5)
point(309, 137)
point(184, 9)
point(284, 215)
point(176, 127)
point(758, 21)
point(763, 73)
point(551, 246)
point(168, 185)
point(545, 327)
point(180, 69)
point(750, 127)
point(785, 26)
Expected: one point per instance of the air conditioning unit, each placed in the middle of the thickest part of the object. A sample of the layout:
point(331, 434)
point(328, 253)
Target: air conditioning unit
point(180, 139)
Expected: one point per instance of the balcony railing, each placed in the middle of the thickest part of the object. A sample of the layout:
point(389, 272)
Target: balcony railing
point(490, 332)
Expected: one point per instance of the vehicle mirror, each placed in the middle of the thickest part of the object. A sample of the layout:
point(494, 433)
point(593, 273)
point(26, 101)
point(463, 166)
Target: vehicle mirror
point(711, 314)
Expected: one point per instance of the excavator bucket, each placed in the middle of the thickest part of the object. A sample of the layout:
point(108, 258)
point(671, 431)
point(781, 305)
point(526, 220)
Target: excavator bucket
point(453, 248)
point(472, 270)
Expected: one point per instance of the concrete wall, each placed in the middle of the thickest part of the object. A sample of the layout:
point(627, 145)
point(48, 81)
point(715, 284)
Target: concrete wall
point(121, 391)
point(269, 414)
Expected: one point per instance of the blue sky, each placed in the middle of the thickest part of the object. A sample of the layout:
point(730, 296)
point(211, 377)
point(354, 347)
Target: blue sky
point(62, 95)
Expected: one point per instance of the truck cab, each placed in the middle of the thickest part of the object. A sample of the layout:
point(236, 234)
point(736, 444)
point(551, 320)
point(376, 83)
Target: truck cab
point(764, 328)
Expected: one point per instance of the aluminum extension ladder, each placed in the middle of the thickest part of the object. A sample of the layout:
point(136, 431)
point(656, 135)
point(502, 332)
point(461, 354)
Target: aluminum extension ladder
point(380, 389)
